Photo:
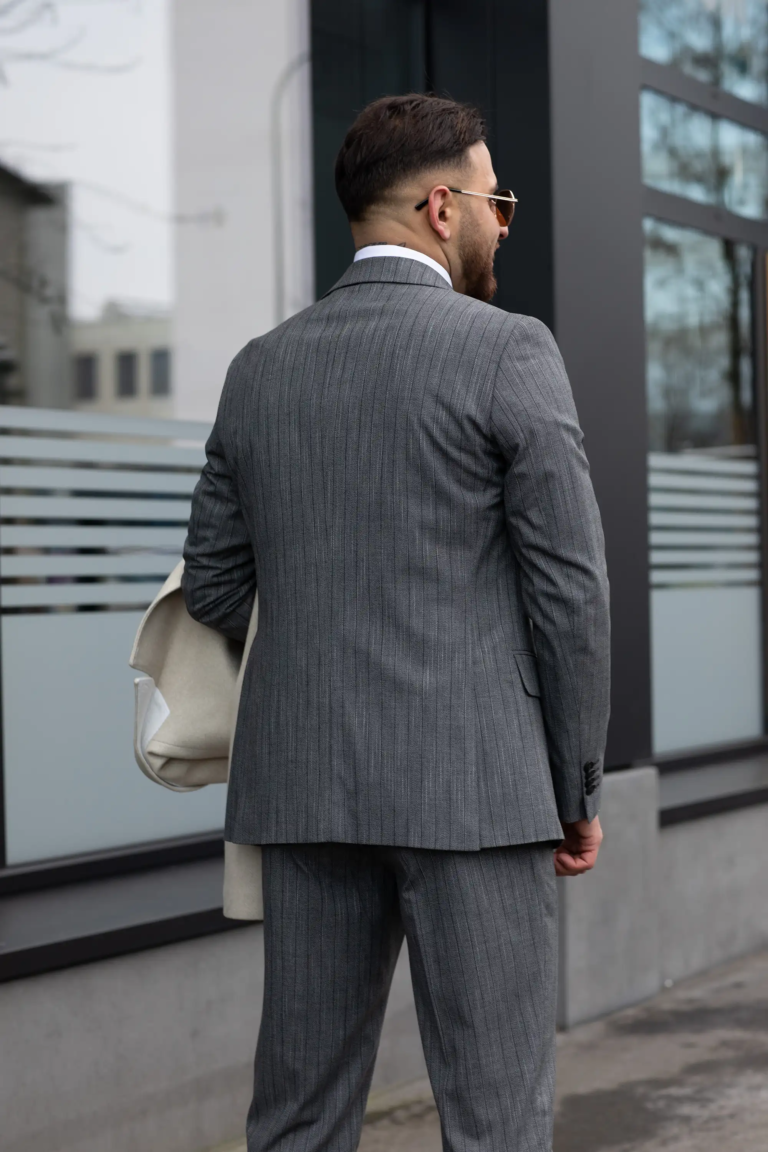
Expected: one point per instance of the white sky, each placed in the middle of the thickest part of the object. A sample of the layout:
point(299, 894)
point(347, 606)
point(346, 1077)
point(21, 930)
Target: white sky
point(90, 128)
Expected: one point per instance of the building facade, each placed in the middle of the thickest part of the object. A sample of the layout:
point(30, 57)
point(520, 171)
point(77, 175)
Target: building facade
point(635, 135)
point(33, 291)
point(122, 362)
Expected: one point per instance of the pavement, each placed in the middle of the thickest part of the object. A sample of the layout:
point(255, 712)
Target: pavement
point(684, 1072)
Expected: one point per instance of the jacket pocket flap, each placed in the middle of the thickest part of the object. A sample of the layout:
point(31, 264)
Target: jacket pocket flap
point(529, 672)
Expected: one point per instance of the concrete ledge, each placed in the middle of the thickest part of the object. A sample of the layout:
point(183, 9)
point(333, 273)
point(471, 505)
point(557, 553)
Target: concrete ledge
point(713, 903)
point(609, 928)
point(153, 1050)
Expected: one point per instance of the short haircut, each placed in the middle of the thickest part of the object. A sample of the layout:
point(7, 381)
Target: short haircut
point(397, 137)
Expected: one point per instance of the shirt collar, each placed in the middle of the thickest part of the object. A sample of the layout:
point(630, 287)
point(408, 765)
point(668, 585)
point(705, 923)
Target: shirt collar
point(371, 250)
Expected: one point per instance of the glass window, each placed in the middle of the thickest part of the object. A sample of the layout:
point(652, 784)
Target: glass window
point(698, 309)
point(126, 236)
point(720, 42)
point(127, 383)
point(692, 154)
point(86, 376)
point(160, 372)
point(703, 489)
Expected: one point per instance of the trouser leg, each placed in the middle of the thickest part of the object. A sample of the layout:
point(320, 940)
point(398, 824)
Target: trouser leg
point(332, 934)
point(482, 939)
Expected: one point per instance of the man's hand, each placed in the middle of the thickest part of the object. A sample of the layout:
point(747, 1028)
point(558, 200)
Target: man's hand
point(578, 851)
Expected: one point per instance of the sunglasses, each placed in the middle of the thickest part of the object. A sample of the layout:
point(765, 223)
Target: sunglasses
point(502, 203)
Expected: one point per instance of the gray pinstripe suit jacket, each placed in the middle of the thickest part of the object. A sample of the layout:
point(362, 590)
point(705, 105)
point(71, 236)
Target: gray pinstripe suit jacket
point(399, 469)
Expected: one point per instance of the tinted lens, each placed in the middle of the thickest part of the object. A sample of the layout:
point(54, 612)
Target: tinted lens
point(505, 209)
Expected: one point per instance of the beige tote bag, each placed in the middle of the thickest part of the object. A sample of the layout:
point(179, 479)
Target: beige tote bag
point(185, 711)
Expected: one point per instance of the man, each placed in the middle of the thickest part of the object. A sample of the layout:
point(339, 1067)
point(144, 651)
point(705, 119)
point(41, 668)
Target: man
point(399, 469)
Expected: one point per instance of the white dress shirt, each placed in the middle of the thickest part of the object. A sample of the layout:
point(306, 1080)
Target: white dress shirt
point(407, 253)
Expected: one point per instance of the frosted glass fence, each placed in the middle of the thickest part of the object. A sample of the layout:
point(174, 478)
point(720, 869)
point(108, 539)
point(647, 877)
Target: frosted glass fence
point(705, 599)
point(93, 515)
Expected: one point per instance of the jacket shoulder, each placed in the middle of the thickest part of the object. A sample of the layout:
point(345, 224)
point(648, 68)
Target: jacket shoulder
point(506, 323)
point(515, 328)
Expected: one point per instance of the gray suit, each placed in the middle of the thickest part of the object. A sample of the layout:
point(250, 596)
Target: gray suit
point(400, 469)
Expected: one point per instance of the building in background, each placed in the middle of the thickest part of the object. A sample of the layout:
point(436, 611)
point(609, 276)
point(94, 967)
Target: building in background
point(242, 147)
point(33, 292)
point(122, 361)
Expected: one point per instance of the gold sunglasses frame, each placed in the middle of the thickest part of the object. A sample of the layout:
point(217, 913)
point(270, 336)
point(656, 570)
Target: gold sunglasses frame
point(511, 199)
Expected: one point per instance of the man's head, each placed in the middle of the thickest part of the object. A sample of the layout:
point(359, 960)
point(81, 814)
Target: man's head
point(403, 151)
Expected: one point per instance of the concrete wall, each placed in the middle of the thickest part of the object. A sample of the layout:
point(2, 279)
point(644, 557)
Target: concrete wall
point(713, 899)
point(12, 301)
point(609, 928)
point(241, 86)
point(47, 377)
point(662, 904)
point(152, 1051)
point(155, 1050)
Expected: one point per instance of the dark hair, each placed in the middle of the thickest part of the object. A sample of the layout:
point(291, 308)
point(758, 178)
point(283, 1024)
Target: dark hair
point(396, 137)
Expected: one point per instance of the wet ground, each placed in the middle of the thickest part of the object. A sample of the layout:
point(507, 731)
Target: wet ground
point(684, 1072)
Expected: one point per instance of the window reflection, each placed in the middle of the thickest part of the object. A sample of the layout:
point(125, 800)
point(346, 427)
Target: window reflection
point(86, 211)
point(698, 310)
point(720, 42)
point(714, 161)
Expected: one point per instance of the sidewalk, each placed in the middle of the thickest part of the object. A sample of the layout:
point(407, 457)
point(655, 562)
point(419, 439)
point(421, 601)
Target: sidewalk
point(685, 1072)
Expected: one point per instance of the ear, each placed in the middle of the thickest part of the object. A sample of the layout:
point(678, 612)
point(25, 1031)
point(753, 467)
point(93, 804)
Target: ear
point(440, 209)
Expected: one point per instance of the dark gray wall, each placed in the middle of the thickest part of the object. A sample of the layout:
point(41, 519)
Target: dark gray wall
point(495, 55)
point(598, 282)
point(559, 84)
point(361, 49)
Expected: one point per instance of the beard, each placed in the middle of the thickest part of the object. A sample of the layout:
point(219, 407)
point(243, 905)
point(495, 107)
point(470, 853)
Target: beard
point(477, 264)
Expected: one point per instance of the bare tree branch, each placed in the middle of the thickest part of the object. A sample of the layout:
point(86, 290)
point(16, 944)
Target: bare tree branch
point(29, 21)
point(11, 6)
point(45, 56)
point(93, 234)
point(213, 216)
point(84, 66)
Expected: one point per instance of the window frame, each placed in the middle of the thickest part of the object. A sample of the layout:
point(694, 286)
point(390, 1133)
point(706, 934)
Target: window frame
point(93, 358)
point(669, 81)
point(127, 356)
point(156, 355)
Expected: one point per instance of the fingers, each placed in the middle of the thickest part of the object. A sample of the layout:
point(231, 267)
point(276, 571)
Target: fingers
point(568, 864)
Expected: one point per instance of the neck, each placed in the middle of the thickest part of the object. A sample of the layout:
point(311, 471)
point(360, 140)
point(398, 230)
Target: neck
point(366, 237)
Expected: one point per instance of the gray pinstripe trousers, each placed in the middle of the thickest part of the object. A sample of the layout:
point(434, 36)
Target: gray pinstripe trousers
point(482, 941)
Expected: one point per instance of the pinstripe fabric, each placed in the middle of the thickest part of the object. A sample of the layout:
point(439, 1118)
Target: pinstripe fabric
point(400, 469)
point(482, 940)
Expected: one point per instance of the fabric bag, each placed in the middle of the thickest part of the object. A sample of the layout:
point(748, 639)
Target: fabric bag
point(185, 711)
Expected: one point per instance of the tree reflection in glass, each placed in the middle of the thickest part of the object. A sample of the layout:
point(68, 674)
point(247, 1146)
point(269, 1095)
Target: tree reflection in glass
point(698, 315)
point(720, 42)
point(693, 154)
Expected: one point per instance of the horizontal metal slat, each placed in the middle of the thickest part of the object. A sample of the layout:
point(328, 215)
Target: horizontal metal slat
point(706, 501)
point(701, 576)
point(676, 538)
point(100, 451)
point(92, 508)
point(672, 557)
point(66, 478)
point(711, 465)
point(92, 423)
point(696, 482)
point(53, 595)
point(81, 536)
point(701, 519)
point(112, 564)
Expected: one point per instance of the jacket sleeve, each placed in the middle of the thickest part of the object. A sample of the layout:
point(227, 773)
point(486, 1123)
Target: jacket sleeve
point(557, 538)
point(219, 578)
